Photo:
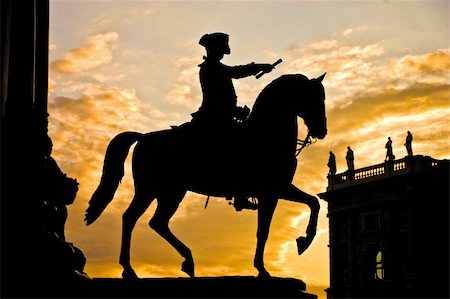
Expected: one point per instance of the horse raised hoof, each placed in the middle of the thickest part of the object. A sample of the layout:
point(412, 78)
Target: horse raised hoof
point(303, 244)
point(129, 274)
point(188, 268)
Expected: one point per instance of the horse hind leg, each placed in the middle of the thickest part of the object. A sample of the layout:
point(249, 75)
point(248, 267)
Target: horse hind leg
point(167, 205)
point(140, 203)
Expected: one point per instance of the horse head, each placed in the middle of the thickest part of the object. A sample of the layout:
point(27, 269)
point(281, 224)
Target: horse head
point(312, 108)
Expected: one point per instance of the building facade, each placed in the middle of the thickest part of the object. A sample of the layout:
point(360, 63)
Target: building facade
point(389, 230)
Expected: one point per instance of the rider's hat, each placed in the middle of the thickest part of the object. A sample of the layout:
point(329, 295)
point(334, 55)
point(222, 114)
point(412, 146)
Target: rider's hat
point(216, 40)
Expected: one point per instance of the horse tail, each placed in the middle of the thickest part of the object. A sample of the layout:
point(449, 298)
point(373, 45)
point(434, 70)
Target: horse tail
point(113, 172)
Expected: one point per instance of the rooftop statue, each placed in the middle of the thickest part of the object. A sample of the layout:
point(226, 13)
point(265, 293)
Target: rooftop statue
point(350, 159)
point(389, 152)
point(332, 164)
point(214, 155)
point(408, 144)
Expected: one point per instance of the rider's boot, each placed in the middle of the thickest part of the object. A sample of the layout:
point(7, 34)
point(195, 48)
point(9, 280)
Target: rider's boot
point(241, 202)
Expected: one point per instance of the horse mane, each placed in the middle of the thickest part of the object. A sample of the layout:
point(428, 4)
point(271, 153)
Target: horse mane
point(277, 95)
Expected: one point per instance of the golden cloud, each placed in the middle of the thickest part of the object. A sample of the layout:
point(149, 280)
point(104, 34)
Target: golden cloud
point(431, 63)
point(97, 51)
point(185, 90)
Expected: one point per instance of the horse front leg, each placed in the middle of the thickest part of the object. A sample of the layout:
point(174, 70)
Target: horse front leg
point(297, 195)
point(266, 209)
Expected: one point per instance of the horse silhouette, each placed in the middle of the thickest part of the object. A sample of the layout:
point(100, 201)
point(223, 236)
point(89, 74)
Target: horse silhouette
point(166, 164)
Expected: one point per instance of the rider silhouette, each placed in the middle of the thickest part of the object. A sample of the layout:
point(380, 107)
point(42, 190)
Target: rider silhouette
point(219, 106)
point(219, 112)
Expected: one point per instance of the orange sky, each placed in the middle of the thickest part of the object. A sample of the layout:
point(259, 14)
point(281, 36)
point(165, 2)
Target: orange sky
point(118, 66)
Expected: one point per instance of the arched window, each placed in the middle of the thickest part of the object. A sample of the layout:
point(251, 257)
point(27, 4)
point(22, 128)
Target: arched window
point(379, 266)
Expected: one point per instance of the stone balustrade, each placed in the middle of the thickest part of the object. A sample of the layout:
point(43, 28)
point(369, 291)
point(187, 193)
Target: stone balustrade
point(381, 171)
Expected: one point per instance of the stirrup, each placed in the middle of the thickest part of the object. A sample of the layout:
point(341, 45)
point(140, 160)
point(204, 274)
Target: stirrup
point(245, 203)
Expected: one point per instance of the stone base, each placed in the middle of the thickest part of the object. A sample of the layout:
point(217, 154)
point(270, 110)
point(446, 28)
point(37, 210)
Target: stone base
point(202, 287)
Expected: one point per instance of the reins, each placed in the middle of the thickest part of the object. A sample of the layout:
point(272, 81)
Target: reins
point(304, 143)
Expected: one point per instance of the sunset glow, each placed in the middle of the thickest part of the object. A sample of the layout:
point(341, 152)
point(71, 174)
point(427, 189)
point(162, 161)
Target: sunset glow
point(133, 66)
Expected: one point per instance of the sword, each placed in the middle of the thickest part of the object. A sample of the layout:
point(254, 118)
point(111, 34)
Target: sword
point(273, 66)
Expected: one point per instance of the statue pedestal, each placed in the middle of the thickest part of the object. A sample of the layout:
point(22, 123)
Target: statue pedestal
point(202, 287)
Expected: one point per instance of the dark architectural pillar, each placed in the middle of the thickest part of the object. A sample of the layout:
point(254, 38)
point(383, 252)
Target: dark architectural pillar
point(34, 261)
point(41, 65)
point(17, 136)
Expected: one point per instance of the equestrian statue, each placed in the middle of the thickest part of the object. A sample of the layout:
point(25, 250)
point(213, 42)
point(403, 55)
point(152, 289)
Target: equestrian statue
point(224, 151)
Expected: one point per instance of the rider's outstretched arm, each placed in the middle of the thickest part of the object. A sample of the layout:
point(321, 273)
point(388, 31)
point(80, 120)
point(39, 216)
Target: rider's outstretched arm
point(241, 71)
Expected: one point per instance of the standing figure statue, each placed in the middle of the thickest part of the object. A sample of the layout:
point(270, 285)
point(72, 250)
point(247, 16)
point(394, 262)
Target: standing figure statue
point(350, 159)
point(332, 164)
point(389, 153)
point(60, 191)
point(408, 144)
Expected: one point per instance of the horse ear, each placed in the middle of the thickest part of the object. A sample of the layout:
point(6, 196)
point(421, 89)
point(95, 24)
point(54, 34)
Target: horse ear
point(321, 77)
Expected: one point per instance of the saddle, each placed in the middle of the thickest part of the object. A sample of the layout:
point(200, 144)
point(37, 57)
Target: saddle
point(214, 136)
point(218, 155)
point(213, 147)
